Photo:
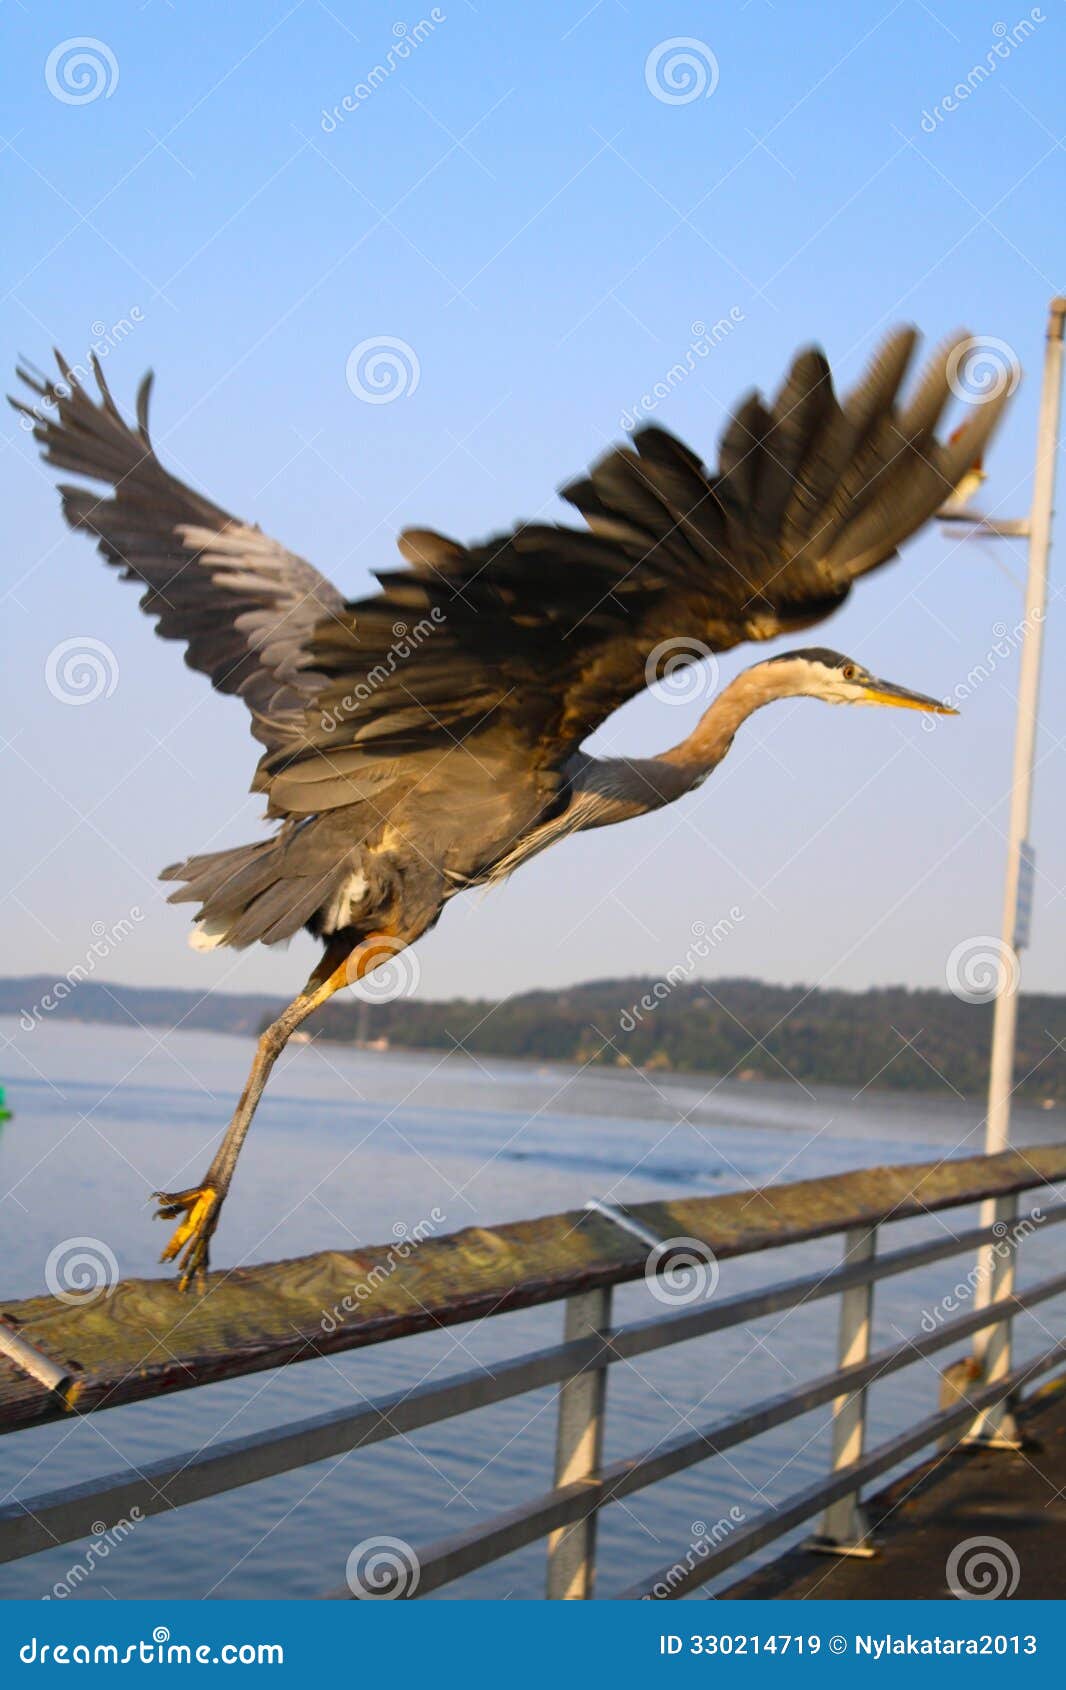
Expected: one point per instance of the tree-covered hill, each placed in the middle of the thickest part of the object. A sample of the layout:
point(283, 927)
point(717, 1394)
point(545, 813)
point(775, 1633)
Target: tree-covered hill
point(888, 1037)
point(885, 1038)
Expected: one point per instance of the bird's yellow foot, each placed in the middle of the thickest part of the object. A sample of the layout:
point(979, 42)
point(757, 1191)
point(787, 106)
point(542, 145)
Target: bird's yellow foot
point(190, 1243)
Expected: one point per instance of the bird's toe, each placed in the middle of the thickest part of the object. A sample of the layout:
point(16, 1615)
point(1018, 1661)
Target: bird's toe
point(189, 1243)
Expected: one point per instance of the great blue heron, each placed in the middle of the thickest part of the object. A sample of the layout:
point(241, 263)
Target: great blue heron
point(404, 770)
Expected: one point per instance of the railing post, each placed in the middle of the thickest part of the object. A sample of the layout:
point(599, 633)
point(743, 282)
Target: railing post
point(844, 1530)
point(996, 1426)
point(579, 1451)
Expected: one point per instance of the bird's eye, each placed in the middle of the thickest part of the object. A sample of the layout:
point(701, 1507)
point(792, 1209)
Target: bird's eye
point(849, 672)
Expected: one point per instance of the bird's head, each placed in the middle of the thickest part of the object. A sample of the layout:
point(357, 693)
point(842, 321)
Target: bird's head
point(828, 675)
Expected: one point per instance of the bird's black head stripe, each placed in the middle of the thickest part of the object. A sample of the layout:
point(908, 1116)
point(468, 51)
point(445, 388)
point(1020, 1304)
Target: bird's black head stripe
point(814, 654)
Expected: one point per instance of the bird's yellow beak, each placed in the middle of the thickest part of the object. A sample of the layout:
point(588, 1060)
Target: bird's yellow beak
point(886, 692)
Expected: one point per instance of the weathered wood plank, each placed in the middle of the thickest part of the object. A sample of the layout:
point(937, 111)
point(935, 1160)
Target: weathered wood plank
point(145, 1338)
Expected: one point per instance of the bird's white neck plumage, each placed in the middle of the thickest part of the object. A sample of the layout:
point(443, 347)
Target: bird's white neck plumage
point(703, 749)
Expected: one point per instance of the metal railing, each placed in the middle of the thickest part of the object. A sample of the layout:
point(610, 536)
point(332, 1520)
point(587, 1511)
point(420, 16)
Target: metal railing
point(566, 1515)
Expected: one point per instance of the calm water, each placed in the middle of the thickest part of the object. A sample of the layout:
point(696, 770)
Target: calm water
point(348, 1147)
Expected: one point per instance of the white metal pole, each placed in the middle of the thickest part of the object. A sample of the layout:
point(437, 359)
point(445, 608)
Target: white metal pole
point(996, 1266)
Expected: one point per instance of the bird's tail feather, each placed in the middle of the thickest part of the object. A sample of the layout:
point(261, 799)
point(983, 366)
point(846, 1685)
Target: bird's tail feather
point(250, 894)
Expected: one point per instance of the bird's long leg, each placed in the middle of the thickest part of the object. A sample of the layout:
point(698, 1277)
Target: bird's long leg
point(201, 1205)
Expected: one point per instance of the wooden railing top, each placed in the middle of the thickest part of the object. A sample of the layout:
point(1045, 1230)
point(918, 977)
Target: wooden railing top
point(145, 1338)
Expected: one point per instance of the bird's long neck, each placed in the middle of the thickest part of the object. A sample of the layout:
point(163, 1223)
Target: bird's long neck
point(713, 734)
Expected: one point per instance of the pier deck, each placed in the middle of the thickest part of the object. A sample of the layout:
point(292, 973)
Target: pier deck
point(920, 1519)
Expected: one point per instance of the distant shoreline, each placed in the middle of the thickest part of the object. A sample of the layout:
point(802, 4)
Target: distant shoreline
point(889, 1039)
point(533, 1064)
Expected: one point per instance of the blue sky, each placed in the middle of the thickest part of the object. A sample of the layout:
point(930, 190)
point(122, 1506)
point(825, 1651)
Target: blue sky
point(515, 204)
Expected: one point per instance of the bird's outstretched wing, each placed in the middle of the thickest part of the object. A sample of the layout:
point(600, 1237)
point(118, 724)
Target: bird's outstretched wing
point(244, 606)
point(531, 639)
point(539, 634)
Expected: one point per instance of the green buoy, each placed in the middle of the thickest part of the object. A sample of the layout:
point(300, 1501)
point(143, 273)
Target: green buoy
point(6, 1114)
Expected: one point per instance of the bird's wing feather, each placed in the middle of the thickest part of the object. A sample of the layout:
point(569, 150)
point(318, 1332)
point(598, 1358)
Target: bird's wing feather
point(540, 633)
point(244, 606)
point(515, 649)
